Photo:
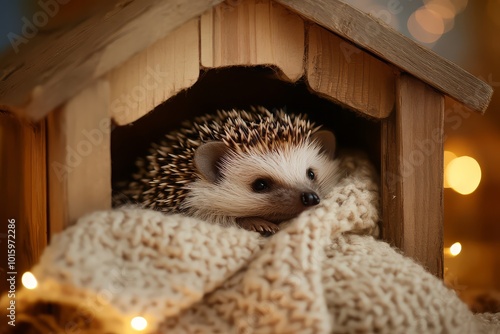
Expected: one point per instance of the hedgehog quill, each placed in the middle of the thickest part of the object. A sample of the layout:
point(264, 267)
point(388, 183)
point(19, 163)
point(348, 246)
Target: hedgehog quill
point(254, 169)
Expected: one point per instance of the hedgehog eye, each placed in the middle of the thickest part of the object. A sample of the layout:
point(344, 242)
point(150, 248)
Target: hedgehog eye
point(310, 174)
point(261, 185)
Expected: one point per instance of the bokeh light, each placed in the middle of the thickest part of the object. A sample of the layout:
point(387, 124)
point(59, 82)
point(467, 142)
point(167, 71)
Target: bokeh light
point(426, 25)
point(463, 175)
point(447, 14)
point(445, 9)
point(457, 6)
point(29, 280)
point(448, 157)
point(455, 249)
point(138, 323)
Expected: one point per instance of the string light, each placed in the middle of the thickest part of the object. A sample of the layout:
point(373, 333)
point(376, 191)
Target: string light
point(29, 280)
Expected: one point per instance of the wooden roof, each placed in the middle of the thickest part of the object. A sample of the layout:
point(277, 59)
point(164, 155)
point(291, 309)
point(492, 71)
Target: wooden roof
point(52, 67)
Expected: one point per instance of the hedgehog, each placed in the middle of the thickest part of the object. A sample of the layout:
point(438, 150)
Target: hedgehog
point(251, 168)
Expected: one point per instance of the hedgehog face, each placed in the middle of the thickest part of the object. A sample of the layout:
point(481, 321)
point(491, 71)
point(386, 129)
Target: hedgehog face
point(276, 185)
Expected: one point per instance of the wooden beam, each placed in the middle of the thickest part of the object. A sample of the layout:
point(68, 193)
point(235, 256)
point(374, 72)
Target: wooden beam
point(79, 163)
point(155, 74)
point(412, 174)
point(342, 72)
point(24, 191)
point(54, 66)
point(374, 36)
point(251, 32)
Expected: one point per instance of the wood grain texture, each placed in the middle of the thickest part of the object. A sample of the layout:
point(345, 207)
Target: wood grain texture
point(342, 72)
point(79, 159)
point(369, 33)
point(412, 173)
point(53, 67)
point(33, 231)
point(253, 32)
point(24, 191)
point(155, 74)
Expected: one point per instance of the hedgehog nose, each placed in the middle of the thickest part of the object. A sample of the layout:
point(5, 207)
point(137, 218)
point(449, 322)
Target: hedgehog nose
point(309, 199)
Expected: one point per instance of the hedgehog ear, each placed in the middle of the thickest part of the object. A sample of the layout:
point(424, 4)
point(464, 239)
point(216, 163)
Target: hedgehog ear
point(326, 140)
point(207, 157)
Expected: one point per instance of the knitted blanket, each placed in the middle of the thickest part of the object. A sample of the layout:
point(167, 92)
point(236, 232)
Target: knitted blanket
point(323, 273)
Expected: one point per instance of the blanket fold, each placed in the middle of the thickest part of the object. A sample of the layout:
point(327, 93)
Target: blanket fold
point(324, 272)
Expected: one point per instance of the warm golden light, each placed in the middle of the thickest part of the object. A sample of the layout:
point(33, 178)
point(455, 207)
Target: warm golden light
point(448, 157)
point(455, 249)
point(456, 6)
point(430, 21)
point(460, 5)
point(445, 9)
point(29, 280)
point(139, 323)
point(426, 25)
point(446, 13)
point(463, 175)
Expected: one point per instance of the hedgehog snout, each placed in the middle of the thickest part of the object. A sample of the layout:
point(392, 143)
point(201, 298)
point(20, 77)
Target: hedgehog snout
point(309, 198)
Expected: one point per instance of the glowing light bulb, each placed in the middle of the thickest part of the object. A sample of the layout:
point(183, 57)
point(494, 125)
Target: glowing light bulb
point(29, 280)
point(455, 249)
point(463, 175)
point(138, 323)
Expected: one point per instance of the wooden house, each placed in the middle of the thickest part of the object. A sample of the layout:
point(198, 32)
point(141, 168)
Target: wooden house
point(79, 99)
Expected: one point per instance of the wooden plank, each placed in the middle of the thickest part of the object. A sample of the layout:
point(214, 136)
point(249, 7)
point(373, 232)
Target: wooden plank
point(24, 191)
point(79, 157)
point(391, 192)
point(369, 33)
point(33, 233)
point(412, 173)
point(342, 72)
point(251, 32)
point(54, 66)
point(155, 74)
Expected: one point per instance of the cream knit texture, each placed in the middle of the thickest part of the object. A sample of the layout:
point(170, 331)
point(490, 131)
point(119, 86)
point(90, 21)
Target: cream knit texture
point(324, 272)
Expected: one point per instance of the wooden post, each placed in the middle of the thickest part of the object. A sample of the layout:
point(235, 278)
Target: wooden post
point(79, 163)
point(412, 173)
point(24, 193)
